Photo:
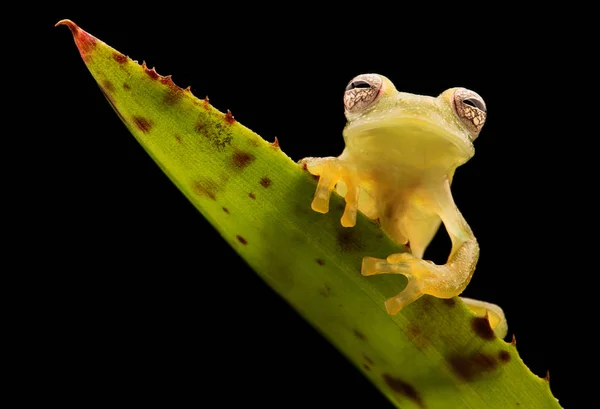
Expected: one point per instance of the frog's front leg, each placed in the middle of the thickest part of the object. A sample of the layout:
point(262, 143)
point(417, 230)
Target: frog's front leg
point(425, 277)
point(331, 171)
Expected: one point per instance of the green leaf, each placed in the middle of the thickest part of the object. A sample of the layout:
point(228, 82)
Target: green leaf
point(434, 354)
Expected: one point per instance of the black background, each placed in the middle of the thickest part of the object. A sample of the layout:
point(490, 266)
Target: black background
point(136, 306)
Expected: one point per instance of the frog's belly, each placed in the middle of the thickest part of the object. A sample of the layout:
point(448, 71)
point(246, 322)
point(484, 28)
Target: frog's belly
point(404, 215)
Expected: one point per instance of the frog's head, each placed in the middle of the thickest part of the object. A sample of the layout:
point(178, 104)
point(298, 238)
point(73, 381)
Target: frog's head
point(376, 110)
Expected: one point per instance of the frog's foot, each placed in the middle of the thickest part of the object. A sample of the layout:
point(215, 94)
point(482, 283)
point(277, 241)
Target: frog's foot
point(331, 171)
point(415, 269)
point(492, 312)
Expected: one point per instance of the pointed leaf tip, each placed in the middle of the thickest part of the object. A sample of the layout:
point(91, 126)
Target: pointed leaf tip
point(66, 22)
point(547, 378)
point(85, 42)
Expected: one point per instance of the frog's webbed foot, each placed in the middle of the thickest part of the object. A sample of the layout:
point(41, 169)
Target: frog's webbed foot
point(331, 171)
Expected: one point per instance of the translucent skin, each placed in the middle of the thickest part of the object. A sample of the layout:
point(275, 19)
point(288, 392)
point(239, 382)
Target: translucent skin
point(401, 153)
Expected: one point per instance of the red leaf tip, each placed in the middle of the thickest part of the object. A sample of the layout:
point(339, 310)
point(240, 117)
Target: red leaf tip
point(84, 41)
point(66, 22)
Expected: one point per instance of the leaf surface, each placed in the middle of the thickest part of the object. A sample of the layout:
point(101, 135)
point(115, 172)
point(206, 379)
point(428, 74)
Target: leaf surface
point(434, 354)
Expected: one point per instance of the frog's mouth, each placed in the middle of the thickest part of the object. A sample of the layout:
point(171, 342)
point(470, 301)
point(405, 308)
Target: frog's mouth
point(410, 133)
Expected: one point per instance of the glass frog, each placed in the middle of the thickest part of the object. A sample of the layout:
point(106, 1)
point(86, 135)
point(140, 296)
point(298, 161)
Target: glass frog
point(401, 153)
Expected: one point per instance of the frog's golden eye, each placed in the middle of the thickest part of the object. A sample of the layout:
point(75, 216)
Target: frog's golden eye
point(362, 92)
point(471, 110)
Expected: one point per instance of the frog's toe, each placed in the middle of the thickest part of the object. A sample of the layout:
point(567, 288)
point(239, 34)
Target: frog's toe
point(374, 266)
point(393, 306)
point(326, 184)
point(351, 197)
point(410, 294)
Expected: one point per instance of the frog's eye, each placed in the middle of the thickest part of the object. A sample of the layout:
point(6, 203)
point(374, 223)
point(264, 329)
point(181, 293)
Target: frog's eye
point(471, 110)
point(358, 84)
point(362, 92)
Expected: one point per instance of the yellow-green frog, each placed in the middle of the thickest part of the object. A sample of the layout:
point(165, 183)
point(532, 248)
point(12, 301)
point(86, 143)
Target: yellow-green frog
point(401, 153)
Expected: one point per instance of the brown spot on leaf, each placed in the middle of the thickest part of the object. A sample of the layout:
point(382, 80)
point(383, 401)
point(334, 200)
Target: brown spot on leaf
point(265, 182)
point(251, 195)
point(226, 210)
point(348, 240)
point(120, 58)
point(205, 187)
point(469, 368)
point(142, 123)
point(174, 93)
point(417, 336)
point(173, 96)
point(504, 356)
point(229, 117)
point(320, 262)
point(413, 330)
point(126, 86)
point(481, 326)
point(369, 360)
point(450, 302)
point(108, 86)
point(360, 335)
point(326, 291)
point(178, 138)
point(404, 389)
point(242, 240)
point(242, 159)
point(367, 367)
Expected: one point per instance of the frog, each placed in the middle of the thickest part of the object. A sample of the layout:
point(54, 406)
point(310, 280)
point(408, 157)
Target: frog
point(397, 167)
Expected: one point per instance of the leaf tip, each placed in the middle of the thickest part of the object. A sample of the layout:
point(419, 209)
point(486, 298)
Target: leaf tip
point(547, 378)
point(85, 42)
point(514, 341)
point(66, 22)
point(275, 143)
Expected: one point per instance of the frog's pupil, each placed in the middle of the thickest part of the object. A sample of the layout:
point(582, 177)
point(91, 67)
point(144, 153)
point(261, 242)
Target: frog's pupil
point(475, 103)
point(358, 84)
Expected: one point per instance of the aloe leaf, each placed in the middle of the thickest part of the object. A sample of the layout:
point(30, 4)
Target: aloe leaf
point(434, 354)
